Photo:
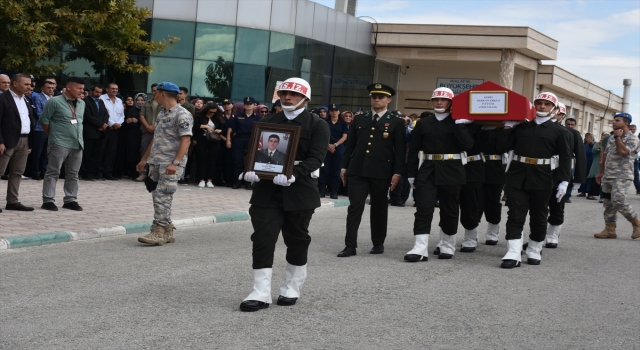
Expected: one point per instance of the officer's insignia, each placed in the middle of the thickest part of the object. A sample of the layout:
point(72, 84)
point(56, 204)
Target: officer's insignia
point(333, 106)
point(184, 124)
point(386, 125)
point(248, 99)
point(388, 117)
point(385, 135)
point(286, 137)
point(378, 86)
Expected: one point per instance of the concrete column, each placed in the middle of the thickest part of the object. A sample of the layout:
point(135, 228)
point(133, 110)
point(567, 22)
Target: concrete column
point(507, 67)
point(530, 80)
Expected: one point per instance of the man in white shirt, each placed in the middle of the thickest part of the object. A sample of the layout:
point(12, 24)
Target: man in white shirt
point(110, 143)
point(17, 122)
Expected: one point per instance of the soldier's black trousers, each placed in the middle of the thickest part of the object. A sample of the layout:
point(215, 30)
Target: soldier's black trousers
point(492, 205)
point(268, 222)
point(556, 210)
point(425, 196)
point(521, 202)
point(359, 188)
point(471, 201)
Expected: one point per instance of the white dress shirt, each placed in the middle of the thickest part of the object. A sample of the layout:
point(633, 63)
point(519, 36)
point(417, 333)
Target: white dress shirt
point(115, 110)
point(23, 109)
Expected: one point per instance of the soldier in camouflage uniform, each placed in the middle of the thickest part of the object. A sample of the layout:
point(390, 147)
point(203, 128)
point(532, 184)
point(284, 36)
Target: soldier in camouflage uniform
point(617, 176)
point(167, 158)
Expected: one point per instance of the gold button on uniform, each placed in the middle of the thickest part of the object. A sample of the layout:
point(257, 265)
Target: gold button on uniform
point(367, 151)
point(369, 143)
point(373, 128)
point(371, 136)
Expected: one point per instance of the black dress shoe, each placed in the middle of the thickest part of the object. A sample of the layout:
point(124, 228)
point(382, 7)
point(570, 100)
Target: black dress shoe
point(551, 245)
point(247, 186)
point(396, 204)
point(284, 301)
point(377, 249)
point(509, 264)
point(445, 256)
point(73, 206)
point(334, 195)
point(491, 242)
point(18, 206)
point(436, 251)
point(236, 185)
point(347, 252)
point(415, 257)
point(321, 193)
point(467, 249)
point(531, 261)
point(253, 305)
point(111, 178)
point(37, 178)
point(49, 206)
point(567, 200)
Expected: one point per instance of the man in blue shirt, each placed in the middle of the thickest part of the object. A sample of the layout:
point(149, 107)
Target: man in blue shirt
point(37, 160)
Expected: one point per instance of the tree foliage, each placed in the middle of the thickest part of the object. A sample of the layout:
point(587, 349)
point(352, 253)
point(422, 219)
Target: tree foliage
point(102, 31)
point(218, 77)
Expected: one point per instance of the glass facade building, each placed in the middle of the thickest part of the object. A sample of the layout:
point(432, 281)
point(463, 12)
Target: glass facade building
point(237, 48)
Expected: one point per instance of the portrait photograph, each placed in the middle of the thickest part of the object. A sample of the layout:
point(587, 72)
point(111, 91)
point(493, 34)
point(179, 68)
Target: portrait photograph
point(272, 149)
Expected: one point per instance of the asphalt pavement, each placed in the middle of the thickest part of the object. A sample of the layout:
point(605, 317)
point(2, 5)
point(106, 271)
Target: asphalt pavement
point(114, 293)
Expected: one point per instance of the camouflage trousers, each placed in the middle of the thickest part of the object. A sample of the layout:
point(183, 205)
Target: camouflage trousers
point(614, 192)
point(163, 194)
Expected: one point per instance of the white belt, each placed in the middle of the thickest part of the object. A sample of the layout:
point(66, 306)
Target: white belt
point(493, 157)
point(535, 161)
point(474, 158)
point(442, 156)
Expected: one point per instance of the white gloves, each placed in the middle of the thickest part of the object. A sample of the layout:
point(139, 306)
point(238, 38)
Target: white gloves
point(576, 186)
point(411, 181)
point(250, 176)
point(464, 121)
point(281, 180)
point(511, 123)
point(562, 190)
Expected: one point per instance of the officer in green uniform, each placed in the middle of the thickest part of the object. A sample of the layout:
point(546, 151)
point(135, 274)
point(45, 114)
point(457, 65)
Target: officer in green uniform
point(373, 162)
point(531, 175)
point(443, 141)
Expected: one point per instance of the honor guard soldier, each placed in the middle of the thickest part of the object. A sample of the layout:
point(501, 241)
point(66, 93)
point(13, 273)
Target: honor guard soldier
point(579, 176)
point(617, 176)
point(287, 204)
point(241, 125)
point(442, 174)
point(167, 157)
point(373, 162)
point(531, 176)
point(494, 179)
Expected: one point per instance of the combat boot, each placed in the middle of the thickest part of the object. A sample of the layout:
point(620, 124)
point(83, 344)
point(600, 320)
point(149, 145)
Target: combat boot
point(636, 228)
point(608, 232)
point(156, 236)
point(168, 233)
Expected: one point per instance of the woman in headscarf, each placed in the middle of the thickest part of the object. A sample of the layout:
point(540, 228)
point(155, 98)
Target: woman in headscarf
point(208, 120)
point(131, 128)
point(262, 111)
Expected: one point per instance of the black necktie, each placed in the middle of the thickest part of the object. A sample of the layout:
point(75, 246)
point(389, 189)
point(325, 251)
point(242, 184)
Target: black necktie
point(375, 118)
point(270, 153)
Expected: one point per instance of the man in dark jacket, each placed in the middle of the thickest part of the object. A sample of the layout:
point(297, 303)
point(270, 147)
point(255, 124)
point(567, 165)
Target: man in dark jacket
point(17, 124)
point(96, 119)
point(373, 162)
point(286, 204)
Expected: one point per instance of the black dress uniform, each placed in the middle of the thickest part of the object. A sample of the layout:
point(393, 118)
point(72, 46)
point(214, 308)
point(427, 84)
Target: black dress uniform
point(494, 179)
point(375, 152)
point(472, 193)
point(530, 180)
point(441, 176)
point(556, 209)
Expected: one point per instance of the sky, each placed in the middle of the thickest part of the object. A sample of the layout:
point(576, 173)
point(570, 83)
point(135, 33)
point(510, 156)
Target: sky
point(598, 40)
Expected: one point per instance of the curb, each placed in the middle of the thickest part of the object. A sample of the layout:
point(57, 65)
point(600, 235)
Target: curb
point(124, 229)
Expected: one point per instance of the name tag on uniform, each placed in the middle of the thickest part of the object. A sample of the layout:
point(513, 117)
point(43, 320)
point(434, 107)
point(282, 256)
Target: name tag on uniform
point(74, 121)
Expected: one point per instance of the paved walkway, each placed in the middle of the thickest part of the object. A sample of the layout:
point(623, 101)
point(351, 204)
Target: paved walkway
point(112, 205)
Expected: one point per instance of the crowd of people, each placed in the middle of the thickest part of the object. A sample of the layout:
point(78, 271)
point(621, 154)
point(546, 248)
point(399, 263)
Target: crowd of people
point(461, 166)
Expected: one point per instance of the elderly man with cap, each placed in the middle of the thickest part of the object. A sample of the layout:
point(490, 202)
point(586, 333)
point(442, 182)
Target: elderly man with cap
point(167, 157)
point(330, 172)
point(531, 176)
point(373, 165)
point(617, 176)
point(441, 175)
point(241, 126)
point(579, 176)
point(286, 204)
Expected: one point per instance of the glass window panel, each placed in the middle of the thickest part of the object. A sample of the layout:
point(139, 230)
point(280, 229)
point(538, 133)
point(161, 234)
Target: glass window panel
point(252, 46)
point(316, 90)
point(281, 50)
point(213, 41)
point(163, 28)
point(81, 68)
point(352, 73)
point(212, 78)
point(129, 83)
point(248, 80)
point(276, 75)
point(175, 70)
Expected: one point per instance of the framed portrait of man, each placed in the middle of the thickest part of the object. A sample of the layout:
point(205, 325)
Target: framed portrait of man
point(272, 150)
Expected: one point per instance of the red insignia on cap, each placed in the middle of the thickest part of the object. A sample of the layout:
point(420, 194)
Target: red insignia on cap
point(294, 87)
